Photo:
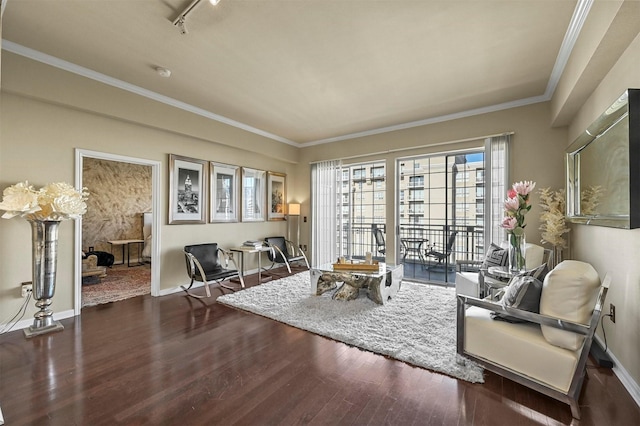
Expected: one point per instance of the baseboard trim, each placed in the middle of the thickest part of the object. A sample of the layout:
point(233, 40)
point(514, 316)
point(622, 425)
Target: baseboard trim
point(625, 378)
point(25, 323)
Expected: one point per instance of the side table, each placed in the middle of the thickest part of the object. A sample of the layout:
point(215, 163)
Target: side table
point(127, 244)
point(251, 250)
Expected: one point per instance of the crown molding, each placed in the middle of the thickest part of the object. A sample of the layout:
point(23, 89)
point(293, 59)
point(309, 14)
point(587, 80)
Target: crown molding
point(44, 58)
point(578, 19)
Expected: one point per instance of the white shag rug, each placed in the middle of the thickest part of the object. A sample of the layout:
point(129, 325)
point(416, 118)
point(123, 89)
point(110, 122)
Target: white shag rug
point(418, 326)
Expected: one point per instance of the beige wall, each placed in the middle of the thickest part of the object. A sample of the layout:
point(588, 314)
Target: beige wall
point(608, 249)
point(38, 140)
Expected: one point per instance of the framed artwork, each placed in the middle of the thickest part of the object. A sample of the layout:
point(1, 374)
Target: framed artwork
point(253, 195)
point(187, 190)
point(224, 192)
point(276, 196)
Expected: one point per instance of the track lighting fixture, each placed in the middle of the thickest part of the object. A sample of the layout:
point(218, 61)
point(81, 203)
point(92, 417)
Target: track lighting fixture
point(180, 19)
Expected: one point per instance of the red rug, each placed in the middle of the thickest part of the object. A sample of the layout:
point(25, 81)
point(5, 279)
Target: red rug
point(120, 283)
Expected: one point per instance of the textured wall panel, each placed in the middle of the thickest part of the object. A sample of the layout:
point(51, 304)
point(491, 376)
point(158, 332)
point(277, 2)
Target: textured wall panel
point(119, 194)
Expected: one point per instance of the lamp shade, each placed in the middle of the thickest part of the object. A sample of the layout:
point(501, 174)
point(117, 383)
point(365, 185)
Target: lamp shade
point(294, 209)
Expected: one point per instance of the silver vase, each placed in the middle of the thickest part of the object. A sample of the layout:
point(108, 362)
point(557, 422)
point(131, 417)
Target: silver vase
point(44, 240)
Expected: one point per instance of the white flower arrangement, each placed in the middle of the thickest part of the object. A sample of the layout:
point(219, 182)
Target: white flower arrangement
point(55, 201)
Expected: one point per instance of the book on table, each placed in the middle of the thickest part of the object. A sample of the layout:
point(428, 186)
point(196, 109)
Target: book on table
point(253, 243)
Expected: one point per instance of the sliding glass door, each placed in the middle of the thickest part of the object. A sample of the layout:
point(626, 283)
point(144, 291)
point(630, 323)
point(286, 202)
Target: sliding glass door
point(440, 213)
point(363, 199)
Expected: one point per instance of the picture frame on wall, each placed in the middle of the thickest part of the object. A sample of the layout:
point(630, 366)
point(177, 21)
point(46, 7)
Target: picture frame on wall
point(187, 190)
point(276, 196)
point(253, 195)
point(224, 181)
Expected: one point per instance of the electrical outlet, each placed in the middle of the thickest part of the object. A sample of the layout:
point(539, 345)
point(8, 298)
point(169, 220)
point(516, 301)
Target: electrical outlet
point(612, 312)
point(27, 288)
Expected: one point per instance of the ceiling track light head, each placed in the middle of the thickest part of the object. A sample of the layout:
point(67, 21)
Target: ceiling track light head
point(181, 25)
point(180, 20)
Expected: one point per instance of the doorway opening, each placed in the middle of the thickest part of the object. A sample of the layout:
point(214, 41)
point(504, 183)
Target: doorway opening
point(120, 230)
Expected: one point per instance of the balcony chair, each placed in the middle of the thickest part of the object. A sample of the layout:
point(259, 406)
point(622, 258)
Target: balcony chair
point(380, 243)
point(284, 252)
point(545, 345)
point(204, 265)
point(441, 255)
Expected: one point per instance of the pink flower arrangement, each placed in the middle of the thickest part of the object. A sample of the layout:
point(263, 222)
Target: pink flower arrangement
point(516, 206)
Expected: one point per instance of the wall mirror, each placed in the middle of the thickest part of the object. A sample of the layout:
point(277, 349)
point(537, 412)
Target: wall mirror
point(603, 168)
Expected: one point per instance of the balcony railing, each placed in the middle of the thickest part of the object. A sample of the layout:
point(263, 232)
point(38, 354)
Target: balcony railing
point(469, 242)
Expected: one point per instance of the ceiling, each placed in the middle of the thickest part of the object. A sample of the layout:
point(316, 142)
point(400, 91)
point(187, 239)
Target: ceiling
point(309, 71)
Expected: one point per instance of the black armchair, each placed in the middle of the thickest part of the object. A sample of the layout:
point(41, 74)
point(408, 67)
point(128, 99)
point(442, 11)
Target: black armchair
point(283, 251)
point(204, 265)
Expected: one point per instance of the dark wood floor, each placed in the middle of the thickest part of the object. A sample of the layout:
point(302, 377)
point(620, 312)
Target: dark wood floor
point(175, 361)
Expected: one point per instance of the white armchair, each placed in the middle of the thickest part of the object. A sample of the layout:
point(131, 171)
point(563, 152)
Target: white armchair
point(548, 352)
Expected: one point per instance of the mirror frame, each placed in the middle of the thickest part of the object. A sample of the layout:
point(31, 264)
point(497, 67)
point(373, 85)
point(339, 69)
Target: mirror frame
point(627, 106)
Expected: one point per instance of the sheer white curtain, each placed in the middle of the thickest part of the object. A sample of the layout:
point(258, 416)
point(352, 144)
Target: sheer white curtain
point(497, 172)
point(326, 204)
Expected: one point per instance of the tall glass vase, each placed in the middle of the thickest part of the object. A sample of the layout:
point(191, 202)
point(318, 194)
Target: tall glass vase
point(517, 247)
point(44, 241)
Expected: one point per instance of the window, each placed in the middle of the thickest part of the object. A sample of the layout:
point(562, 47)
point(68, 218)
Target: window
point(416, 194)
point(364, 198)
point(416, 181)
point(377, 172)
point(462, 192)
point(462, 176)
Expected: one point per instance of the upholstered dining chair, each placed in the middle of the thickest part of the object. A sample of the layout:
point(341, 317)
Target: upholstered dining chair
point(209, 264)
point(283, 251)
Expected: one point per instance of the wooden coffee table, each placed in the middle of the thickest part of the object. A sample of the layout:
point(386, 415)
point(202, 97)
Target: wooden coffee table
point(381, 286)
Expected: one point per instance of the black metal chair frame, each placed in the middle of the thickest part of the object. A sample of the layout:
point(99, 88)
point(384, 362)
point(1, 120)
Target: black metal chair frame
point(413, 245)
point(448, 249)
point(277, 256)
point(197, 272)
point(381, 245)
